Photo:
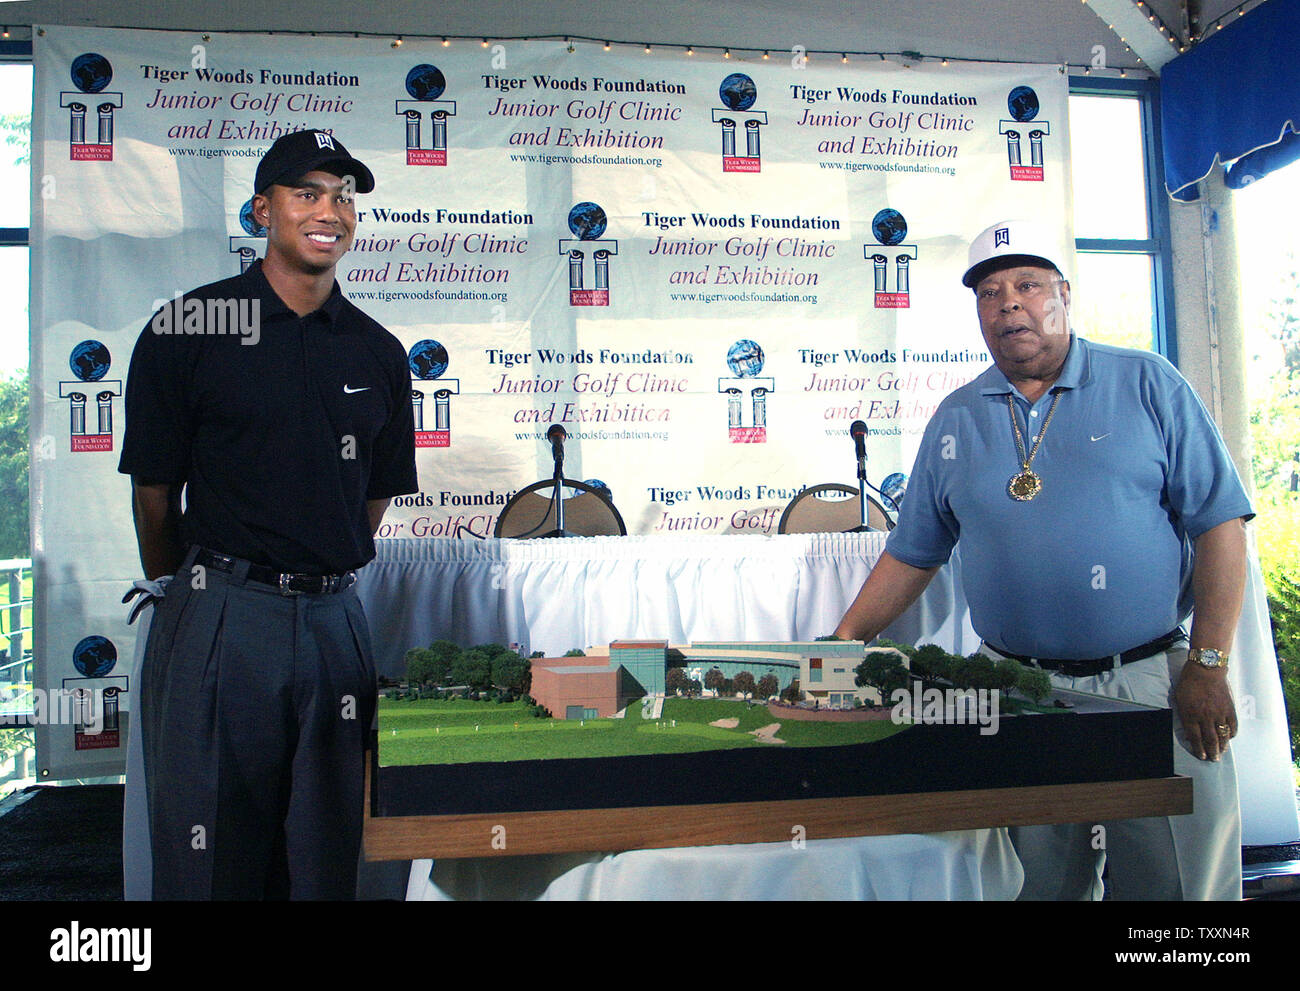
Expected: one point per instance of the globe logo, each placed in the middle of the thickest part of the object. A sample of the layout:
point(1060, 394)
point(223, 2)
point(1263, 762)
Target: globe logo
point(893, 487)
point(427, 360)
point(745, 359)
point(94, 656)
point(91, 72)
point(889, 227)
point(425, 82)
point(738, 92)
point(1022, 102)
point(246, 221)
point(587, 221)
point(90, 361)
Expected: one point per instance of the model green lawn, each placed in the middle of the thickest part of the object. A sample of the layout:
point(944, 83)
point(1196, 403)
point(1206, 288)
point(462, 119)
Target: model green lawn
point(462, 732)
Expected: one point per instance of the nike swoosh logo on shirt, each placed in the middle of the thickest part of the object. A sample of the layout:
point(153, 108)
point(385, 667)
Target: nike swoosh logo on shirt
point(364, 388)
point(1094, 439)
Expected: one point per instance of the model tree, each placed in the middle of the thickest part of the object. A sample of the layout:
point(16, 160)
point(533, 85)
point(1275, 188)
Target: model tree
point(713, 679)
point(419, 667)
point(767, 686)
point(1006, 674)
point(675, 680)
point(1034, 683)
point(975, 671)
point(932, 663)
point(882, 670)
point(512, 672)
point(442, 655)
point(472, 668)
point(744, 684)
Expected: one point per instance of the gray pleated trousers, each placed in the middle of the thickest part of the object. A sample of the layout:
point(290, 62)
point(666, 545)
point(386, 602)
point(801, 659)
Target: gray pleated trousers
point(257, 709)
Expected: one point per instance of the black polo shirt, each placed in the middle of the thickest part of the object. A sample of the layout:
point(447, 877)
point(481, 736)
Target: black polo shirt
point(280, 442)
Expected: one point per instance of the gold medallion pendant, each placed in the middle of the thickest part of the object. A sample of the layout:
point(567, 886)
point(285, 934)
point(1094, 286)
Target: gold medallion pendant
point(1024, 486)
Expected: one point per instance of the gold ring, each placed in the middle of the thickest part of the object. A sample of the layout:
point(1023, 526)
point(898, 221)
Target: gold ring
point(1223, 729)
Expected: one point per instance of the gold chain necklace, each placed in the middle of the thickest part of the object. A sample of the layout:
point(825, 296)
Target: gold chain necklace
point(1025, 484)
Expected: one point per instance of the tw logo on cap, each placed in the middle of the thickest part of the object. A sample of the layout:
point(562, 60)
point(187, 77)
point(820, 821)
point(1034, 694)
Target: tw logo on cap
point(1001, 236)
point(324, 140)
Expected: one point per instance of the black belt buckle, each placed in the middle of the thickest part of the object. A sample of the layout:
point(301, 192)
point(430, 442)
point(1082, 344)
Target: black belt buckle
point(1087, 668)
point(328, 583)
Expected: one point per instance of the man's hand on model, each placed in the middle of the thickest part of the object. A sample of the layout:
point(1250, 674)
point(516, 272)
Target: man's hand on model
point(1204, 703)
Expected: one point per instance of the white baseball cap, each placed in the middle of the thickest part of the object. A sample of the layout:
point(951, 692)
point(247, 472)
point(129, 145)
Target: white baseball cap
point(1010, 243)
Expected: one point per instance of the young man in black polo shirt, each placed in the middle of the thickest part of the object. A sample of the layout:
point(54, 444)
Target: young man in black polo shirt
point(284, 412)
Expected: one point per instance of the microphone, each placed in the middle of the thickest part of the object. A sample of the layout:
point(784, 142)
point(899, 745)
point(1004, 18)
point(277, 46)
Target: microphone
point(556, 435)
point(859, 431)
point(893, 488)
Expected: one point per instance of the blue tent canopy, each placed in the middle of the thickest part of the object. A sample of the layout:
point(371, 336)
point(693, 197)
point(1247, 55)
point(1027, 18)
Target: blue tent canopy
point(1234, 98)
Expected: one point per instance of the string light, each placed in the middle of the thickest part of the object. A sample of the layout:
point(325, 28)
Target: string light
point(908, 59)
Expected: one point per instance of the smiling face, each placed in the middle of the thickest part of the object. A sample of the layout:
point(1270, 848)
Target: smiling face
point(1024, 314)
point(309, 224)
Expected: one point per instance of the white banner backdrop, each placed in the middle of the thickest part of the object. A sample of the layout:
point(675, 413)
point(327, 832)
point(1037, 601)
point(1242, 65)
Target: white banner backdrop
point(703, 269)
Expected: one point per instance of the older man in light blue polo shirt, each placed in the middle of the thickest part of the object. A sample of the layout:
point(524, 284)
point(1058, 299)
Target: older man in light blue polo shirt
point(1095, 506)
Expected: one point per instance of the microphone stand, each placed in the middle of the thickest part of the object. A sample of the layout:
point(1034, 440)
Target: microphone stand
point(557, 451)
point(862, 479)
point(862, 498)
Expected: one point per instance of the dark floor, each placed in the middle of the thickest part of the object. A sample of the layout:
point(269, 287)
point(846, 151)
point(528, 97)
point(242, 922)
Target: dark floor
point(65, 844)
point(62, 844)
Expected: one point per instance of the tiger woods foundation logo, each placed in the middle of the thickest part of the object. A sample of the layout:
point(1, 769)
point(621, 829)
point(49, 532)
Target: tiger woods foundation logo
point(91, 74)
point(738, 94)
point(425, 83)
point(1022, 104)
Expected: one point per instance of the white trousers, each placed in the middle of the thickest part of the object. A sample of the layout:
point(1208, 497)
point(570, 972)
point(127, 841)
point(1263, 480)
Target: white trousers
point(1194, 857)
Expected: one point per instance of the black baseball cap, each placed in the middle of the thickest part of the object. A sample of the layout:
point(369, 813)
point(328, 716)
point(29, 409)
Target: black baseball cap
point(295, 154)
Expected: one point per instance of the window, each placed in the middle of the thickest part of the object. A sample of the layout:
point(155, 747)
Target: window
point(15, 213)
point(15, 145)
point(1122, 286)
point(17, 756)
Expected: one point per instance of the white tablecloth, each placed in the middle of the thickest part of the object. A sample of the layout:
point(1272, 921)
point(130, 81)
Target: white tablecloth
point(553, 595)
point(963, 866)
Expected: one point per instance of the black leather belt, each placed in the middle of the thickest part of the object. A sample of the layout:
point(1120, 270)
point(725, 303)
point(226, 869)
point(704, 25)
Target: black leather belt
point(285, 584)
point(1089, 666)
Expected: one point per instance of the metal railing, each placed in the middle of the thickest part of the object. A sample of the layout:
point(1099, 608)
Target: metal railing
point(15, 676)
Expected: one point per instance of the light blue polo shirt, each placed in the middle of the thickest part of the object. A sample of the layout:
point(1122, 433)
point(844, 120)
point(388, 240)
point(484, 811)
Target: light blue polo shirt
point(1133, 469)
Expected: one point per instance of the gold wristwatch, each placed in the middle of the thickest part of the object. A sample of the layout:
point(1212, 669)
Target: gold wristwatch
point(1208, 657)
